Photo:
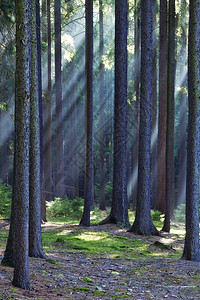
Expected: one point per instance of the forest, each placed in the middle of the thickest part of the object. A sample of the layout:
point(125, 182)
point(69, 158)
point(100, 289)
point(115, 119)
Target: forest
point(99, 149)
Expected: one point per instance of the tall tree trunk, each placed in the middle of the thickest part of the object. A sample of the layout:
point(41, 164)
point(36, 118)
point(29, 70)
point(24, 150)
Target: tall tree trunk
point(35, 240)
point(60, 187)
point(154, 111)
point(48, 168)
point(102, 204)
point(143, 223)
point(89, 181)
point(22, 139)
point(169, 204)
point(162, 116)
point(43, 202)
point(119, 207)
point(191, 248)
point(137, 63)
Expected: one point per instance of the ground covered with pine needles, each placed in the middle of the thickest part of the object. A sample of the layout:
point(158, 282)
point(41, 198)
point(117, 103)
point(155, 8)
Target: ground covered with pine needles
point(105, 262)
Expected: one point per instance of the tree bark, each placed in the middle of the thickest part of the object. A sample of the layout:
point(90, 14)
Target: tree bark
point(169, 204)
point(162, 116)
point(143, 223)
point(60, 187)
point(89, 181)
point(191, 248)
point(22, 139)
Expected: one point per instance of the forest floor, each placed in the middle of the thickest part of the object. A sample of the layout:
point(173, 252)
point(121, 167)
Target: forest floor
point(122, 266)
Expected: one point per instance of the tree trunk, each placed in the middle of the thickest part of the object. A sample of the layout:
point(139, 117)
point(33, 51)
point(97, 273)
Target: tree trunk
point(154, 111)
point(60, 187)
point(22, 135)
point(137, 63)
point(35, 241)
point(162, 116)
point(191, 247)
point(43, 202)
point(89, 181)
point(143, 223)
point(119, 207)
point(48, 168)
point(169, 204)
point(102, 204)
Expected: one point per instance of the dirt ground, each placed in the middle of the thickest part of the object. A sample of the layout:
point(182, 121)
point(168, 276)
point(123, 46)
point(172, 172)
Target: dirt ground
point(79, 276)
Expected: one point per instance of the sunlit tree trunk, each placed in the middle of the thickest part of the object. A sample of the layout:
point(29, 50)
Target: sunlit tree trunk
point(22, 145)
point(143, 223)
point(89, 181)
point(191, 247)
point(169, 199)
point(60, 187)
point(162, 115)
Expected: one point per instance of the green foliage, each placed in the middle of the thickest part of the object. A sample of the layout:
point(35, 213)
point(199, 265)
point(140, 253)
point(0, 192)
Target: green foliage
point(156, 215)
point(5, 200)
point(66, 208)
point(179, 213)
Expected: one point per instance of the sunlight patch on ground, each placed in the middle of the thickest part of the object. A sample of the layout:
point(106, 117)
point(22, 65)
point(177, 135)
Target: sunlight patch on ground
point(91, 236)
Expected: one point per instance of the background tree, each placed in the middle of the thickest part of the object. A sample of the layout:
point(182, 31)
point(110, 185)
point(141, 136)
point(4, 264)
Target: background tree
point(35, 192)
point(191, 247)
point(169, 204)
point(162, 115)
point(60, 187)
point(143, 223)
point(102, 204)
point(88, 193)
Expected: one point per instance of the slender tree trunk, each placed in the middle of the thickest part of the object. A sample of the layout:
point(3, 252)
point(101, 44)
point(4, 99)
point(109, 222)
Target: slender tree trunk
point(162, 116)
point(143, 223)
point(48, 168)
point(137, 63)
point(89, 181)
point(43, 202)
point(35, 242)
point(154, 111)
point(169, 204)
point(60, 187)
point(191, 248)
point(22, 139)
point(102, 204)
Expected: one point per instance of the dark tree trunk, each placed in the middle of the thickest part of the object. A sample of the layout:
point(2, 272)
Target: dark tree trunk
point(169, 204)
point(119, 207)
point(102, 204)
point(162, 116)
point(137, 64)
point(88, 194)
point(48, 168)
point(143, 223)
point(35, 242)
point(191, 248)
point(60, 187)
point(43, 202)
point(22, 136)
point(154, 111)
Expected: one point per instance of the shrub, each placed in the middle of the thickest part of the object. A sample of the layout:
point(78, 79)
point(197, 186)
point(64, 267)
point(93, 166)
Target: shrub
point(66, 207)
point(5, 199)
point(155, 215)
point(179, 213)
